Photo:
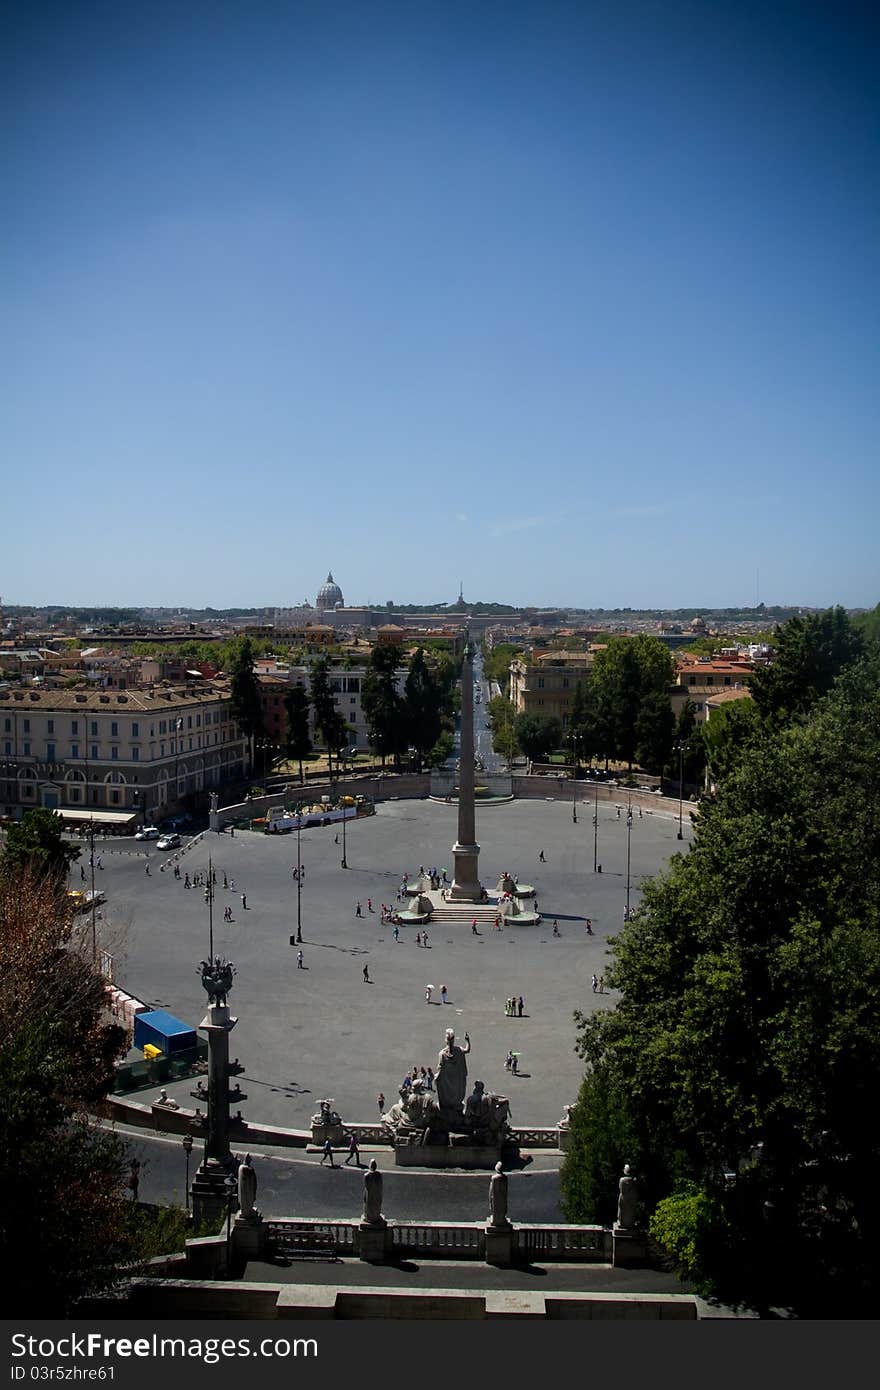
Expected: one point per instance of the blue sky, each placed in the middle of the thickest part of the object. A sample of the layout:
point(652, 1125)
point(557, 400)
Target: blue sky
point(576, 303)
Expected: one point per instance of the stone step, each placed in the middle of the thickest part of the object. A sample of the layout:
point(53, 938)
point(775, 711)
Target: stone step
point(465, 912)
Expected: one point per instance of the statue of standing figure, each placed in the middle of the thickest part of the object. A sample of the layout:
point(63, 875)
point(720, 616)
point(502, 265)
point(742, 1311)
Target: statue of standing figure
point(498, 1198)
point(247, 1189)
point(627, 1200)
point(451, 1078)
point(373, 1195)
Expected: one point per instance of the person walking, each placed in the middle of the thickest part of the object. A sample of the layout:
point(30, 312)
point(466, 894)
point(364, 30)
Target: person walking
point(367, 980)
point(370, 907)
point(430, 1079)
point(514, 1065)
point(508, 1061)
point(474, 931)
point(82, 874)
point(429, 990)
point(186, 881)
point(225, 881)
point(601, 984)
point(519, 1007)
point(595, 983)
point(244, 901)
point(541, 858)
point(588, 926)
point(147, 869)
point(443, 993)
point(424, 938)
point(327, 1152)
point(418, 938)
point(396, 933)
point(358, 911)
point(380, 1101)
point(555, 927)
point(299, 961)
point(353, 1150)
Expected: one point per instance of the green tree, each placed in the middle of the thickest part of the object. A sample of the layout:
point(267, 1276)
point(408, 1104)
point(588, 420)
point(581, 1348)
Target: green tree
point(537, 734)
point(36, 844)
point(422, 700)
point(811, 652)
point(327, 717)
point(727, 736)
point(64, 1224)
point(655, 726)
point(442, 750)
point(298, 738)
point(383, 706)
point(868, 626)
point(247, 708)
point(741, 1060)
point(630, 673)
point(502, 721)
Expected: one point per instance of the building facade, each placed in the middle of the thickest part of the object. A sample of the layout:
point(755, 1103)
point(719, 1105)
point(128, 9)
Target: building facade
point(115, 756)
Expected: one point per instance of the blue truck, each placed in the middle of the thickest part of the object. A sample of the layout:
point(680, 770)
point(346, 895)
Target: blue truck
point(160, 1029)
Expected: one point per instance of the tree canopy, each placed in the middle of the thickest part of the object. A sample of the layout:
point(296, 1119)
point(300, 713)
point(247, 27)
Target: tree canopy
point(738, 1072)
point(810, 654)
point(35, 845)
point(383, 705)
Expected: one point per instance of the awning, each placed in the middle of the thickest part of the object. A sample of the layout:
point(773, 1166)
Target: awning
point(101, 817)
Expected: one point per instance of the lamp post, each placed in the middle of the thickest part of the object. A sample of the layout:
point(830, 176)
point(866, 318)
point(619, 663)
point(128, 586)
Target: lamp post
point(299, 878)
point(629, 826)
point(574, 781)
point(596, 829)
point(178, 727)
point(344, 860)
point(680, 747)
point(187, 1149)
point(209, 899)
point(92, 878)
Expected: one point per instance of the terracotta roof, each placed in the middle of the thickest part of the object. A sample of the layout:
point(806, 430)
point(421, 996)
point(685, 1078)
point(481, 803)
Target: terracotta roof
point(131, 701)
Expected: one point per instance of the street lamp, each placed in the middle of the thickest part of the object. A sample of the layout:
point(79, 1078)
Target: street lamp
point(629, 826)
point(299, 878)
point(92, 876)
point(680, 748)
point(574, 782)
point(187, 1149)
point(344, 860)
point(209, 899)
point(596, 829)
point(178, 727)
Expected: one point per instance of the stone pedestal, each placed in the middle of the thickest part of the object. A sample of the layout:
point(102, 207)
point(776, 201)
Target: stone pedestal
point(373, 1241)
point(564, 1140)
point(499, 1244)
point(447, 1155)
point(334, 1132)
point(466, 886)
point(247, 1236)
point(629, 1248)
point(211, 1190)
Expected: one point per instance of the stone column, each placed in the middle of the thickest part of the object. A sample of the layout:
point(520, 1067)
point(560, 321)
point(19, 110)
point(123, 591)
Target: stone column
point(466, 886)
point(211, 1184)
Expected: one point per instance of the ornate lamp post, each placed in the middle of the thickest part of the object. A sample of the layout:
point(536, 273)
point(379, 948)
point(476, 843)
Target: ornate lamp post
point(344, 860)
point(680, 747)
point(299, 879)
point(187, 1149)
point(596, 829)
point(629, 826)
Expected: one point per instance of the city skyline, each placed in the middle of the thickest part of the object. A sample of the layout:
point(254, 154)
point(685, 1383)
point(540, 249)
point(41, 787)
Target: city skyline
point(577, 305)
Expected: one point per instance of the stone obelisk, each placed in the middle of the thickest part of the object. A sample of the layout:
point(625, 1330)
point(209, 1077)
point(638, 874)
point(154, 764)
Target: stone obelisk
point(466, 886)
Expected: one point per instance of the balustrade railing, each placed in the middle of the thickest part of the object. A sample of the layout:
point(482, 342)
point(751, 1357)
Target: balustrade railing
point(464, 1241)
point(581, 1243)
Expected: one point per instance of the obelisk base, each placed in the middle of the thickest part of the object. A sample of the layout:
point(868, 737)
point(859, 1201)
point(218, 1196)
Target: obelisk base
point(466, 886)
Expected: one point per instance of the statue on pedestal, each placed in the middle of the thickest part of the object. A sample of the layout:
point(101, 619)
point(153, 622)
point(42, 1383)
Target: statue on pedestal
point(498, 1198)
point(247, 1190)
point(217, 978)
point(373, 1196)
point(451, 1078)
point(626, 1201)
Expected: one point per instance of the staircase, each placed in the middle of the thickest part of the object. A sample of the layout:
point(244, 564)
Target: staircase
point(485, 913)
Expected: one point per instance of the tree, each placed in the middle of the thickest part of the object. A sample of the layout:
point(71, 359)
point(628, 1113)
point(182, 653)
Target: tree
point(629, 673)
point(35, 844)
point(298, 739)
point(327, 717)
point(442, 750)
point(422, 698)
point(727, 736)
point(64, 1223)
point(811, 652)
point(244, 697)
point(655, 726)
point(382, 705)
point(537, 734)
point(739, 1067)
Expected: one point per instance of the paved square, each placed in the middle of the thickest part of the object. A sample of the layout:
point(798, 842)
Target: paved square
point(323, 1031)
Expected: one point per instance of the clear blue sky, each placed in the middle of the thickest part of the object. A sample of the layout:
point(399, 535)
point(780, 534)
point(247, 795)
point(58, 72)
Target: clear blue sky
point(577, 303)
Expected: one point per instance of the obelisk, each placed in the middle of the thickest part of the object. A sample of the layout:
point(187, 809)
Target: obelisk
point(466, 886)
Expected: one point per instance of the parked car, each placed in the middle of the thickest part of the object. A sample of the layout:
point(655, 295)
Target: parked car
point(149, 832)
point(171, 841)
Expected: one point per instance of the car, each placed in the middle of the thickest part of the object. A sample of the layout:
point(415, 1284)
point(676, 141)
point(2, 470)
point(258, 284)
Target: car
point(149, 832)
point(171, 841)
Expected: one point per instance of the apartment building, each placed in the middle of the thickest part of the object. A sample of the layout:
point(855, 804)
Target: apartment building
point(115, 756)
point(545, 682)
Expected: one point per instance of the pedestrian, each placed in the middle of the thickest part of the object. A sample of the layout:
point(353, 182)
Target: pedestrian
point(618, 813)
point(508, 1061)
point(598, 868)
point(555, 927)
point(541, 857)
point(474, 927)
point(100, 865)
point(429, 989)
point(370, 907)
point(177, 871)
point(244, 901)
point(367, 979)
point(406, 1083)
point(640, 813)
point(418, 938)
point(299, 960)
point(514, 1065)
point(601, 984)
point(424, 938)
point(82, 874)
point(430, 1081)
point(186, 881)
point(225, 881)
point(380, 1101)
point(519, 1007)
point(232, 830)
point(443, 994)
point(358, 911)
point(353, 1151)
point(595, 983)
point(232, 885)
point(396, 933)
point(147, 869)
point(327, 1153)
point(336, 842)
point(588, 926)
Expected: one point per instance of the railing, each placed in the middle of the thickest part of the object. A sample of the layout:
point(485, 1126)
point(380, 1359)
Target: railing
point(369, 1134)
point(536, 1138)
point(464, 1241)
point(305, 1232)
point(581, 1243)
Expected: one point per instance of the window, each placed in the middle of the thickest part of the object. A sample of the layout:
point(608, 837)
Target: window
point(7, 747)
point(114, 729)
point(135, 730)
point(94, 728)
point(50, 752)
point(135, 755)
point(540, 682)
point(25, 726)
point(198, 721)
point(74, 726)
point(74, 793)
point(161, 750)
point(7, 726)
point(727, 680)
point(114, 797)
point(114, 754)
point(27, 750)
point(163, 726)
point(94, 750)
point(74, 750)
point(189, 721)
point(50, 726)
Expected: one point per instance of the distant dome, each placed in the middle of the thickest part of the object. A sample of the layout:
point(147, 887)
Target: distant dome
point(329, 594)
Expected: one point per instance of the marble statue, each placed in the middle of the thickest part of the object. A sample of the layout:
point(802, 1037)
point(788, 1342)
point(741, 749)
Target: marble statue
point(498, 1198)
point(626, 1201)
point(247, 1188)
point(373, 1195)
point(451, 1078)
point(416, 1109)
